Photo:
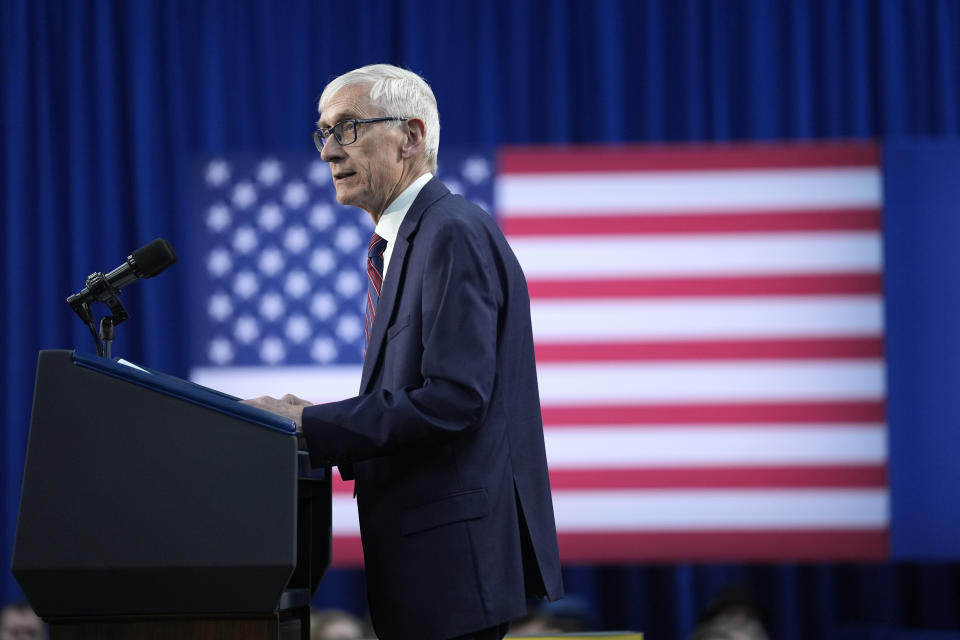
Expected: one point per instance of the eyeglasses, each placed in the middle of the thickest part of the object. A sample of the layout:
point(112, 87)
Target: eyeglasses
point(345, 131)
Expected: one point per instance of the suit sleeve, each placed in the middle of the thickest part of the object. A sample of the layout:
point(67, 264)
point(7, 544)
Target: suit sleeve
point(460, 303)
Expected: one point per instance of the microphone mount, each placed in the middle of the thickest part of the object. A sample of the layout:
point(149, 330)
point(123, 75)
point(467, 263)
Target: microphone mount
point(99, 288)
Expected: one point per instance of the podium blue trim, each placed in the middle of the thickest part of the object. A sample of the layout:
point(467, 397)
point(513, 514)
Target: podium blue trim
point(185, 390)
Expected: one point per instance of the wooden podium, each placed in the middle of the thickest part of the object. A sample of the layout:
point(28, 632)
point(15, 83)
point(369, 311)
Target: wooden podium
point(155, 508)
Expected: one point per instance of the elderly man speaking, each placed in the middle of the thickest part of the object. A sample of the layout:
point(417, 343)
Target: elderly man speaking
point(445, 441)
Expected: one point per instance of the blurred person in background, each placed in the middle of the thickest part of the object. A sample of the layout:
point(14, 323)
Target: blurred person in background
point(335, 624)
point(445, 441)
point(535, 623)
point(570, 614)
point(732, 615)
point(19, 622)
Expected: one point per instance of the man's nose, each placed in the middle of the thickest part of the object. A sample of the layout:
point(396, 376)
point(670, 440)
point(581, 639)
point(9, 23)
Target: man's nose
point(332, 150)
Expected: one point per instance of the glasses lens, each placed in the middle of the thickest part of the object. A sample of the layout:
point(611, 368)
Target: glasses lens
point(346, 131)
point(318, 139)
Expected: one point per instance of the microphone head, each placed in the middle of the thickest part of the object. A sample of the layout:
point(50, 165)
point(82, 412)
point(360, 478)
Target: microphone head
point(154, 257)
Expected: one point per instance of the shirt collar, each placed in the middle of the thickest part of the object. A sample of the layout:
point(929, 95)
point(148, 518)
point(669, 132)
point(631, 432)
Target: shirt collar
point(389, 224)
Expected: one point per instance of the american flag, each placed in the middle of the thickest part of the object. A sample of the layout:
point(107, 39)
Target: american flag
point(708, 323)
point(709, 327)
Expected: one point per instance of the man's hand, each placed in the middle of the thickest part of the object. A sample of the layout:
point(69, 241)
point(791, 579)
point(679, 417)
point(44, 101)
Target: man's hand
point(289, 406)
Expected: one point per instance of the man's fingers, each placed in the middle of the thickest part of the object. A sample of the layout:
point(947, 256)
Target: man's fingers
point(294, 400)
point(261, 401)
point(289, 406)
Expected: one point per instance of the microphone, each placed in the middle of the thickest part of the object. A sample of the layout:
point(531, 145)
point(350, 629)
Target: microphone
point(145, 262)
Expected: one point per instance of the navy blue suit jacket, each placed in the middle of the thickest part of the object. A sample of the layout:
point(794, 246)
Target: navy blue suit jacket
point(445, 440)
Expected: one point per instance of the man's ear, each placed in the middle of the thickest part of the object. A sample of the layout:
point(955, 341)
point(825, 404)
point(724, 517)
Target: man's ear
point(416, 138)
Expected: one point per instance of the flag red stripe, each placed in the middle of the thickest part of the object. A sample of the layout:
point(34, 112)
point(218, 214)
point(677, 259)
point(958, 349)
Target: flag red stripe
point(760, 349)
point(782, 477)
point(847, 412)
point(779, 285)
point(633, 158)
point(718, 546)
point(339, 486)
point(347, 552)
point(545, 224)
point(682, 546)
point(862, 476)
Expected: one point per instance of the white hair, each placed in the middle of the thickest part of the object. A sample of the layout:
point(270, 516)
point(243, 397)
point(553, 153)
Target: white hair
point(400, 93)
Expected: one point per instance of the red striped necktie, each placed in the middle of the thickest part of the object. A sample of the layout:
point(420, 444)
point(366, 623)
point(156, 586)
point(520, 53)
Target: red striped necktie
point(375, 274)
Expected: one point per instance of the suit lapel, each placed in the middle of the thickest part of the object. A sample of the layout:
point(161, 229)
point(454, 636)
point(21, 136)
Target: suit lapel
point(430, 193)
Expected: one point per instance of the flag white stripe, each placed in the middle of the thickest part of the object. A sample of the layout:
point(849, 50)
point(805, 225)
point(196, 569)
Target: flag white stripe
point(676, 191)
point(346, 521)
point(682, 446)
point(700, 255)
point(721, 509)
point(695, 509)
point(682, 382)
point(608, 320)
point(314, 383)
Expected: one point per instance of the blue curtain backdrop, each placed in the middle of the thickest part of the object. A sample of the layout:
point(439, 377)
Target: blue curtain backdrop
point(105, 104)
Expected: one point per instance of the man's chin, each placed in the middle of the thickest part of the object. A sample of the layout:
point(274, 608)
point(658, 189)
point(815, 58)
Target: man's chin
point(344, 198)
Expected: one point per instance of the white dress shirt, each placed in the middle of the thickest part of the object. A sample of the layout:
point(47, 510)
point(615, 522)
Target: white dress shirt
point(393, 215)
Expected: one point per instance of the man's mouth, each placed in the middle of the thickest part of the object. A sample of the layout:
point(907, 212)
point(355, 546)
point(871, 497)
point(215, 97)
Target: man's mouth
point(343, 174)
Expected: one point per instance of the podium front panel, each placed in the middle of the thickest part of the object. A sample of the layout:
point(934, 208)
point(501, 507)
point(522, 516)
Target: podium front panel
point(137, 502)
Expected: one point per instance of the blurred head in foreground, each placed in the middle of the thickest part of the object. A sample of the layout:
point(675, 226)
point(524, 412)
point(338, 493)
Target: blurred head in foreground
point(19, 622)
point(732, 615)
point(334, 624)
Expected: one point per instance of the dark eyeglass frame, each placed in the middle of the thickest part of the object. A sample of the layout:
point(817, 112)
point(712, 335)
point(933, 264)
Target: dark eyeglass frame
point(320, 135)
